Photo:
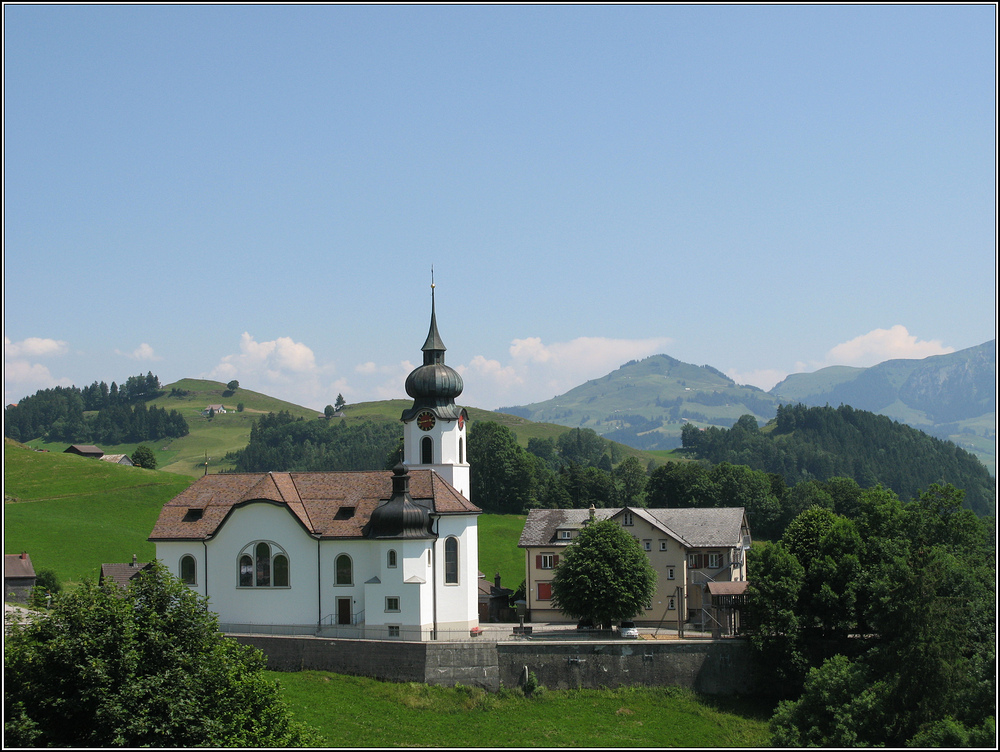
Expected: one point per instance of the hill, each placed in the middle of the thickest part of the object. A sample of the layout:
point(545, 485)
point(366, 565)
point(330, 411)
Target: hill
point(73, 514)
point(646, 403)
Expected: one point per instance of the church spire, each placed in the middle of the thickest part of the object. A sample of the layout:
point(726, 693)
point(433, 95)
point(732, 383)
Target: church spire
point(433, 346)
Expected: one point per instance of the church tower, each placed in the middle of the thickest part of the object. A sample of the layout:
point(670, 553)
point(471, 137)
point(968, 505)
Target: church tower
point(434, 427)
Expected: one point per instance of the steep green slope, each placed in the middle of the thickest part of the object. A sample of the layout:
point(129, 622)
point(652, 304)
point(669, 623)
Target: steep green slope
point(72, 514)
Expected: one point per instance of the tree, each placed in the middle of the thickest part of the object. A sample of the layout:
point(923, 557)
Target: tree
point(233, 385)
point(143, 457)
point(603, 576)
point(329, 411)
point(340, 404)
point(147, 667)
point(502, 476)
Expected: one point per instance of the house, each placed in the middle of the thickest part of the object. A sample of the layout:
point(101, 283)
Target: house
point(118, 459)
point(18, 577)
point(122, 574)
point(374, 554)
point(213, 410)
point(85, 450)
point(689, 548)
point(494, 601)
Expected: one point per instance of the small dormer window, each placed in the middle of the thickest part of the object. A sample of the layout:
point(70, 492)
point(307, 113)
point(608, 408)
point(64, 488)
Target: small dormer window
point(565, 534)
point(344, 513)
point(193, 514)
point(627, 520)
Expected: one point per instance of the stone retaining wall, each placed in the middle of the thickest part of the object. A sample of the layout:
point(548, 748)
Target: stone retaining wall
point(706, 666)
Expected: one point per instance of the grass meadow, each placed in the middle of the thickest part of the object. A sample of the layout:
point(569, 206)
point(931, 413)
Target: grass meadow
point(359, 712)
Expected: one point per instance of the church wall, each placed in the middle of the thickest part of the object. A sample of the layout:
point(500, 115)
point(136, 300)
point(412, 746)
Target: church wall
point(170, 552)
point(262, 521)
point(458, 605)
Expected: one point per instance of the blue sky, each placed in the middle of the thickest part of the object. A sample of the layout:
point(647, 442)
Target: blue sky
point(260, 192)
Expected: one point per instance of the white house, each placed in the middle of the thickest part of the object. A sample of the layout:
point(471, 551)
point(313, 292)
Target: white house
point(388, 554)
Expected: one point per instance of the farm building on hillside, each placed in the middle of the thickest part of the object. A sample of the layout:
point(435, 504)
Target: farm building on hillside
point(18, 577)
point(118, 459)
point(390, 554)
point(122, 574)
point(85, 450)
point(689, 548)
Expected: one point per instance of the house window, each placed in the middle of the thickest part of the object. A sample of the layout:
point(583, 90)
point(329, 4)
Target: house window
point(344, 571)
point(451, 561)
point(671, 604)
point(627, 520)
point(663, 545)
point(670, 573)
point(565, 534)
point(188, 570)
point(394, 630)
point(715, 560)
point(548, 561)
point(697, 561)
point(392, 603)
point(390, 559)
point(426, 451)
point(647, 545)
point(544, 591)
point(262, 564)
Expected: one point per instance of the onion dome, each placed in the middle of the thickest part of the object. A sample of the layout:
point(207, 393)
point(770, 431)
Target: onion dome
point(399, 516)
point(434, 385)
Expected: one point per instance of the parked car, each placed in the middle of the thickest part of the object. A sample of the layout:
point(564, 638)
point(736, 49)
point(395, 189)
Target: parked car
point(585, 624)
point(628, 630)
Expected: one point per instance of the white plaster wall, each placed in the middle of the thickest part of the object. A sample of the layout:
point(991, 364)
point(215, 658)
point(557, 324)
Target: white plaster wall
point(257, 521)
point(170, 552)
point(446, 436)
point(458, 605)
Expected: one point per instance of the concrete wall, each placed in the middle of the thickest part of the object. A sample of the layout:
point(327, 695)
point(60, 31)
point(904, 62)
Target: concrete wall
point(707, 666)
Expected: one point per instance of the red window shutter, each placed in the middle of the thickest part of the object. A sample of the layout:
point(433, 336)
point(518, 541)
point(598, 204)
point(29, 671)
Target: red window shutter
point(538, 561)
point(555, 561)
point(544, 591)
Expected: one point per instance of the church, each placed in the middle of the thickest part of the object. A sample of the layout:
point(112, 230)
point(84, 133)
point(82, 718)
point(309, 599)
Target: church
point(378, 555)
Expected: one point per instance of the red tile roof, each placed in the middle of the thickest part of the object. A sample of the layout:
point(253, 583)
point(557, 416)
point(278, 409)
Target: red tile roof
point(17, 565)
point(314, 498)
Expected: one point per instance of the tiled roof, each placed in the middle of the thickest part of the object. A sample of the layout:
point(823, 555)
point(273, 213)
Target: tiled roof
point(328, 505)
point(16, 566)
point(122, 573)
point(695, 528)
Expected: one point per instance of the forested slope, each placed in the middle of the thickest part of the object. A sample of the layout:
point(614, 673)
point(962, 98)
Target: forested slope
point(818, 443)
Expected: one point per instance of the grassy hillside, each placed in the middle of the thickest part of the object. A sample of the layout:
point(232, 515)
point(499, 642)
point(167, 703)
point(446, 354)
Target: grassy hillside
point(357, 712)
point(72, 514)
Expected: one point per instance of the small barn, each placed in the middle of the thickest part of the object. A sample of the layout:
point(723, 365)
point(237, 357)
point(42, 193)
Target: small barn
point(18, 577)
point(122, 574)
point(85, 450)
point(118, 459)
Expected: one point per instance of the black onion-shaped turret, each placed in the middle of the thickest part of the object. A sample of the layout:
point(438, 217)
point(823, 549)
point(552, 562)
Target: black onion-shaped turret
point(399, 516)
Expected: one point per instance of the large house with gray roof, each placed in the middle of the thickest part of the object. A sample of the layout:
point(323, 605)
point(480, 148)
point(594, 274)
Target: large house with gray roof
point(384, 555)
point(692, 551)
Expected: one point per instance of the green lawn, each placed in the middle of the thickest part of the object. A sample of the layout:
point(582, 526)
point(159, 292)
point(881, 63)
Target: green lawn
point(498, 551)
point(358, 712)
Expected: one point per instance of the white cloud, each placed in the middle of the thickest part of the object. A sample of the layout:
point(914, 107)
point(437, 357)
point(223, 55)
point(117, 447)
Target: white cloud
point(764, 378)
point(142, 352)
point(879, 345)
point(34, 347)
point(22, 376)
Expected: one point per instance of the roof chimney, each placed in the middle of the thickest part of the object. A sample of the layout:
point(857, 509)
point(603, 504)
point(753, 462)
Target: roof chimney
point(133, 560)
point(496, 579)
point(24, 554)
point(592, 510)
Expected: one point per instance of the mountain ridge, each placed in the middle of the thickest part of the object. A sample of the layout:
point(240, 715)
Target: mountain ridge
point(645, 403)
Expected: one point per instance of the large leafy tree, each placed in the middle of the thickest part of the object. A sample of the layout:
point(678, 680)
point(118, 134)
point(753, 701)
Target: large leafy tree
point(143, 667)
point(502, 475)
point(603, 576)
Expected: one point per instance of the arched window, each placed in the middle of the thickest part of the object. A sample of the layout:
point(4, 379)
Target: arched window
point(390, 559)
point(188, 570)
point(451, 561)
point(344, 571)
point(263, 553)
point(263, 564)
point(426, 451)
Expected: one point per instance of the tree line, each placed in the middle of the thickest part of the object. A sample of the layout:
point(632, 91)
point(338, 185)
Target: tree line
point(878, 629)
point(95, 414)
point(817, 443)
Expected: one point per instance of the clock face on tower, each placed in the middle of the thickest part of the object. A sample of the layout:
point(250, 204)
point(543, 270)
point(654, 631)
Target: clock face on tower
point(426, 420)
point(461, 420)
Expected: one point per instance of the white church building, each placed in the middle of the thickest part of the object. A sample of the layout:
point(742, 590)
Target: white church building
point(389, 554)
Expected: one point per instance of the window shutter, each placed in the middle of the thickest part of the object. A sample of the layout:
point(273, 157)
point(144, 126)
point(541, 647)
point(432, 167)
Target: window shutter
point(538, 561)
point(555, 561)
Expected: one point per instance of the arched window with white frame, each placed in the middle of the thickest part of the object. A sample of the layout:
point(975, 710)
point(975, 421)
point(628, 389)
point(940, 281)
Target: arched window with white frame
point(189, 570)
point(451, 561)
point(263, 564)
